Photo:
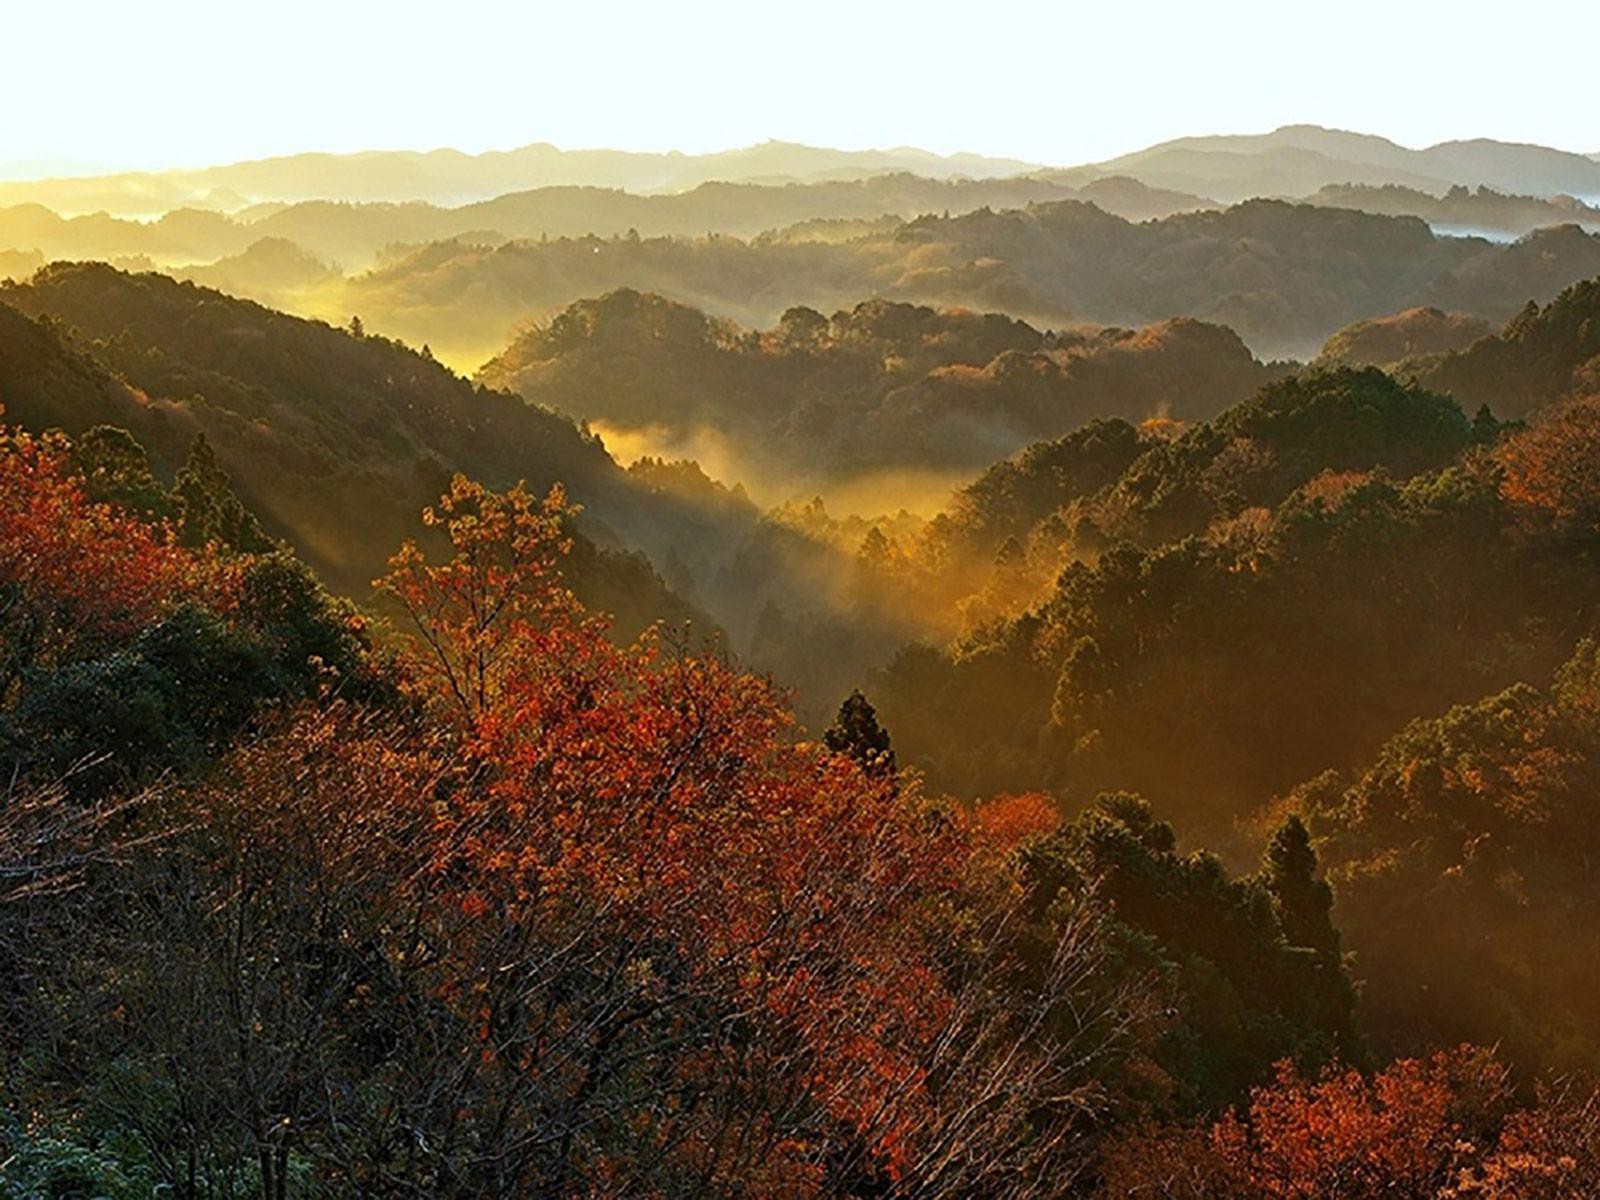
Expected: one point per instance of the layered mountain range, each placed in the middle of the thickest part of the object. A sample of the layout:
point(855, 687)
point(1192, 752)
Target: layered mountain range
point(1293, 160)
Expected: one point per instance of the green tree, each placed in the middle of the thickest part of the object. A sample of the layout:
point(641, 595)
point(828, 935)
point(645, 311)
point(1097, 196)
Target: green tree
point(1240, 996)
point(208, 510)
point(166, 701)
point(116, 470)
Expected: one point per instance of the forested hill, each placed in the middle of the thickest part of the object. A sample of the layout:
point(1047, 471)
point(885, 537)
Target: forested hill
point(1463, 210)
point(334, 439)
point(1261, 598)
point(1390, 340)
point(47, 385)
point(1285, 277)
point(1542, 355)
point(874, 387)
point(1271, 270)
point(1342, 599)
point(353, 234)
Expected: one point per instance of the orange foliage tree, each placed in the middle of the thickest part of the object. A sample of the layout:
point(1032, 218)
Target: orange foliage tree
point(72, 572)
point(499, 595)
point(699, 953)
point(589, 919)
point(1418, 1128)
point(1549, 467)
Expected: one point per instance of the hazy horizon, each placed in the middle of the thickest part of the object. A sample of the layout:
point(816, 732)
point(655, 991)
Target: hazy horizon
point(48, 168)
point(494, 79)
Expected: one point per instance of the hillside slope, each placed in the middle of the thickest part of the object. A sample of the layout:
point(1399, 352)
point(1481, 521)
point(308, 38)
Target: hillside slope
point(1285, 277)
point(879, 386)
point(1539, 357)
point(335, 441)
point(1267, 596)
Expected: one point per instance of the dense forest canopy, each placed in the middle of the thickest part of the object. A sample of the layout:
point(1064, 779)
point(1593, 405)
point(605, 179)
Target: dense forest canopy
point(1112, 251)
point(878, 387)
point(1284, 276)
point(894, 676)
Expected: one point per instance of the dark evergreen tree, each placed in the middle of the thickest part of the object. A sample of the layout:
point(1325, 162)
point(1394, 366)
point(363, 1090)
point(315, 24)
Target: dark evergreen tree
point(1210, 942)
point(856, 732)
point(1305, 903)
point(1486, 427)
point(207, 508)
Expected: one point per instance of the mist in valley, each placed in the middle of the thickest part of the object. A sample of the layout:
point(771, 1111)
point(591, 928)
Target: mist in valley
point(876, 603)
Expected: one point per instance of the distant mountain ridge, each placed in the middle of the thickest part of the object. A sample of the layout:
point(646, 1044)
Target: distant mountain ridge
point(351, 234)
point(1292, 160)
point(1297, 159)
point(453, 177)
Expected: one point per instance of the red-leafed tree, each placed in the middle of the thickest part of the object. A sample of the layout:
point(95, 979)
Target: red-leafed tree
point(702, 953)
point(588, 920)
point(74, 574)
point(124, 654)
point(499, 595)
point(1418, 1128)
point(1548, 469)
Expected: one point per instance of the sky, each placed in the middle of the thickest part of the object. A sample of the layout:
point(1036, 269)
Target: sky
point(123, 84)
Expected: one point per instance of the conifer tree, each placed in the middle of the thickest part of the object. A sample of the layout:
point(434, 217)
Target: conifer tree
point(208, 510)
point(1305, 903)
point(856, 732)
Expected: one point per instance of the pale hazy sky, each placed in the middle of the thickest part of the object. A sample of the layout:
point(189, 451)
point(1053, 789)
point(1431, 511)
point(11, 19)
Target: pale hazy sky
point(120, 83)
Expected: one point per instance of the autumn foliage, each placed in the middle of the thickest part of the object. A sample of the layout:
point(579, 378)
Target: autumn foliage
point(739, 937)
point(73, 571)
point(1434, 1129)
point(1549, 468)
point(578, 917)
point(532, 909)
